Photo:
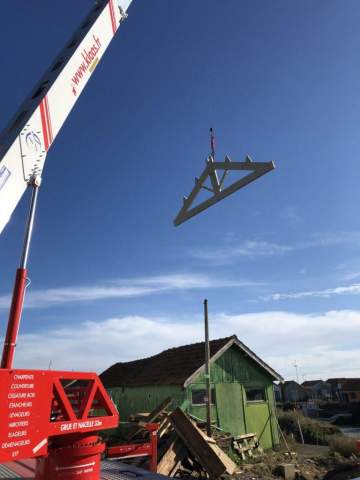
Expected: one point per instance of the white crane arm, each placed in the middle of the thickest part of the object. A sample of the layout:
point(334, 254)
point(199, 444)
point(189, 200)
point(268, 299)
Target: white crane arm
point(26, 140)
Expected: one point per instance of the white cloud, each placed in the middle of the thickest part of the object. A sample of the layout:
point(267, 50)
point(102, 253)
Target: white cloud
point(322, 344)
point(93, 346)
point(353, 289)
point(351, 276)
point(330, 239)
point(123, 288)
point(231, 251)
point(249, 248)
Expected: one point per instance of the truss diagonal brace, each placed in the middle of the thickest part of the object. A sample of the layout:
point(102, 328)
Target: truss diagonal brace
point(256, 170)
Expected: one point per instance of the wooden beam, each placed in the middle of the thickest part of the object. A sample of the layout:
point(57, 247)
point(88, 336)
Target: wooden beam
point(172, 458)
point(213, 460)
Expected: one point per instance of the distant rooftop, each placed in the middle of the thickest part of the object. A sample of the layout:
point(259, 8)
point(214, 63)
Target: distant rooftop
point(350, 384)
point(311, 383)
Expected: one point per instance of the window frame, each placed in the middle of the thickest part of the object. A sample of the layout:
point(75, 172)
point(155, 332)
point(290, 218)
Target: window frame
point(197, 390)
point(249, 389)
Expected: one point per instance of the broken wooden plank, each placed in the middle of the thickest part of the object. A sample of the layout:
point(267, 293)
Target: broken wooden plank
point(152, 417)
point(165, 444)
point(230, 465)
point(246, 435)
point(172, 458)
point(213, 460)
point(226, 460)
point(247, 445)
point(164, 429)
point(138, 417)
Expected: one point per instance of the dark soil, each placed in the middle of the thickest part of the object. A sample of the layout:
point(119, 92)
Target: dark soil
point(312, 462)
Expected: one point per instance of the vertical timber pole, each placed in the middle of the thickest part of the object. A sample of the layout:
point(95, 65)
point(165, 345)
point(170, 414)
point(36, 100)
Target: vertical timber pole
point(20, 285)
point(207, 370)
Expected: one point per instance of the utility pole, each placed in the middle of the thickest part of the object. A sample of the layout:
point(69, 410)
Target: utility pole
point(207, 370)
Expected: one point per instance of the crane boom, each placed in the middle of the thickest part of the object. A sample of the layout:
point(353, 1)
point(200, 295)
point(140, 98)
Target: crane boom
point(28, 137)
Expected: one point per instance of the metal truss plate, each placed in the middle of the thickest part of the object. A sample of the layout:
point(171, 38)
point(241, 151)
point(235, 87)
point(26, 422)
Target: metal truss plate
point(211, 171)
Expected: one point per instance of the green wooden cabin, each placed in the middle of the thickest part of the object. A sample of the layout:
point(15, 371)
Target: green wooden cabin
point(242, 386)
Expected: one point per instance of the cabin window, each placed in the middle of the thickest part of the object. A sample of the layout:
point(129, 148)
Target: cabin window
point(255, 394)
point(198, 397)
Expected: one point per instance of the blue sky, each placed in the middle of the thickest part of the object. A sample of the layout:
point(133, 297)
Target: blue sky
point(111, 278)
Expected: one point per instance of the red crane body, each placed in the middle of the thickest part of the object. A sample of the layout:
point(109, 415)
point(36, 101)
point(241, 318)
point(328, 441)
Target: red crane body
point(54, 416)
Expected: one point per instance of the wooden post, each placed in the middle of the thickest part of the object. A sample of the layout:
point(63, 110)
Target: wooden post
point(207, 370)
point(300, 429)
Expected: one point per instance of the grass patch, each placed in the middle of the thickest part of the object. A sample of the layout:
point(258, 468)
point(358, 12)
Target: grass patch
point(346, 446)
point(314, 431)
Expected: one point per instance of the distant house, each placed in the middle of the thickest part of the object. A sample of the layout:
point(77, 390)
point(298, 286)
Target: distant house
point(336, 387)
point(278, 392)
point(318, 389)
point(350, 390)
point(241, 385)
point(293, 392)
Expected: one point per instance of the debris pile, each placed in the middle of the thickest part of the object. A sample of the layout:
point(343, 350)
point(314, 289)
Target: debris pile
point(183, 447)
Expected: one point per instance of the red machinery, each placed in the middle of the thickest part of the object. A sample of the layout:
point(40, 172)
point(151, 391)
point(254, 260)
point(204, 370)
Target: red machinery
point(52, 416)
point(138, 449)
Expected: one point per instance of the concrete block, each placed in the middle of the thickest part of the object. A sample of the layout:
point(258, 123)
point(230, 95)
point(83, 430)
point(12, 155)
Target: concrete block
point(287, 471)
